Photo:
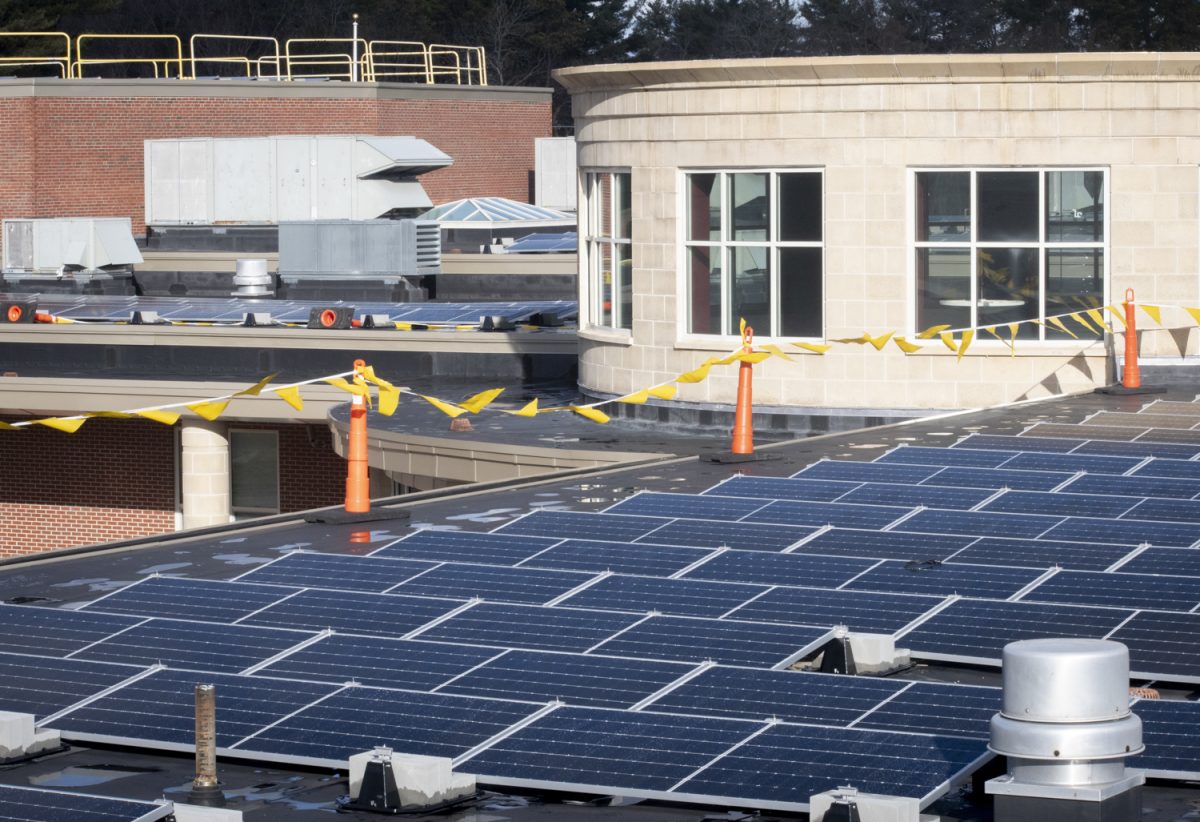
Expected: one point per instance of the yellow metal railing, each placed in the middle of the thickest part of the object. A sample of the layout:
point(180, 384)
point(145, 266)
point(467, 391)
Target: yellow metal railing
point(62, 62)
point(458, 62)
point(297, 60)
point(153, 62)
point(253, 66)
point(397, 58)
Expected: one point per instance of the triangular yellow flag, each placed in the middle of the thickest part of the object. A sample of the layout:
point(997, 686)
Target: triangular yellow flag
point(1154, 311)
point(368, 373)
point(865, 338)
point(1098, 318)
point(593, 414)
point(1078, 317)
point(349, 387)
point(112, 415)
point(932, 331)
point(291, 395)
point(389, 399)
point(813, 347)
point(209, 410)
point(948, 340)
point(775, 351)
point(965, 341)
point(165, 417)
point(880, 341)
point(4, 426)
point(59, 424)
point(905, 346)
point(1117, 312)
point(754, 357)
point(663, 392)
point(256, 389)
point(1061, 326)
point(529, 409)
point(446, 408)
point(1194, 312)
point(636, 398)
point(481, 400)
point(699, 374)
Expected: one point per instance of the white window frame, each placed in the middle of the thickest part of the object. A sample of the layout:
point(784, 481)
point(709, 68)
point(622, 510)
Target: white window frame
point(726, 245)
point(238, 511)
point(594, 240)
point(973, 245)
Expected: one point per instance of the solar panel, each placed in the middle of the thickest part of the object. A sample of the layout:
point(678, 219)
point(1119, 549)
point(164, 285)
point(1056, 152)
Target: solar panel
point(756, 644)
point(53, 632)
point(390, 663)
point(1169, 732)
point(617, 557)
point(743, 535)
point(931, 496)
point(1133, 486)
point(1177, 469)
point(465, 546)
point(883, 544)
point(980, 523)
point(669, 596)
point(1120, 590)
point(531, 627)
point(824, 699)
point(225, 648)
point(1171, 510)
point(937, 708)
point(371, 614)
point(781, 488)
point(1162, 645)
point(340, 571)
point(999, 478)
point(1072, 462)
point(689, 506)
point(923, 455)
point(20, 804)
point(975, 630)
point(161, 709)
point(198, 599)
point(1059, 504)
point(827, 513)
point(861, 611)
point(1125, 531)
point(575, 679)
point(1004, 442)
point(359, 719)
point(780, 569)
point(1140, 449)
point(945, 579)
point(1183, 562)
point(563, 524)
point(1038, 553)
point(867, 471)
point(494, 583)
point(42, 686)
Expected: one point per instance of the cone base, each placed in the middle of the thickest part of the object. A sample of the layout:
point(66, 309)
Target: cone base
point(340, 517)
point(1121, 390)
point(726, 457)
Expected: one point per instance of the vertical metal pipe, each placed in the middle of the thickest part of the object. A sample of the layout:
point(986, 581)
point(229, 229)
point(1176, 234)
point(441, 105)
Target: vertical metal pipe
point(354, 51)
point(205, 787)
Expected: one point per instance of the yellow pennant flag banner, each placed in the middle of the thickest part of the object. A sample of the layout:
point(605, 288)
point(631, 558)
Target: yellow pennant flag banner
point(209, 410)
point(290, 395)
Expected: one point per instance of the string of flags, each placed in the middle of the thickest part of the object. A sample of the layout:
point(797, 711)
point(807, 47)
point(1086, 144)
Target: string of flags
point(387, 395)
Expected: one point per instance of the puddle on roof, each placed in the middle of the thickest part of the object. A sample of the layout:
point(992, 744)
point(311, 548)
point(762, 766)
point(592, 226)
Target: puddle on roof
point(232, 540)
point(97, 584)
point(268, 793)
point(241, 559)
point(490, 515)
point(164, 568)
point(872, 445)
point(81, 776)
point(291, 546)
point(432, 526)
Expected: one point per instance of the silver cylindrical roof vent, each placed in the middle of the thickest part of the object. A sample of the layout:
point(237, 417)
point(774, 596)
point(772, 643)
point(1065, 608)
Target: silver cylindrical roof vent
point(252, 279)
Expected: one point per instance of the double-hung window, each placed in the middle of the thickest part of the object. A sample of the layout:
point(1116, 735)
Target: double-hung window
point(609, 252)
point(753, 246)
point(995, 247)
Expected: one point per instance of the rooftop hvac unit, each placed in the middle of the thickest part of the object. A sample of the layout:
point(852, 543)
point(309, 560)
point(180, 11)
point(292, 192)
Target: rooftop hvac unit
point(359, 250)
point(76, 244)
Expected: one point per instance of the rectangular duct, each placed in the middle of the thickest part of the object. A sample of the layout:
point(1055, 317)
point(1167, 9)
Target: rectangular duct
point(360, 249)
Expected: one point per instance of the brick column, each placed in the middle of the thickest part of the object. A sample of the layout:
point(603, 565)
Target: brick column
point(204, 473)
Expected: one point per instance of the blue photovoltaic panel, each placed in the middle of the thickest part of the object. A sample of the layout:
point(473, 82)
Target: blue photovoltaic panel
point(669, 596)
point(564, 524)
point(1163, 645)
point(860, 611)
point(761, 568)
point(618, 749)
point(884, 544)
point(1133, 486)
point(790, 763)
point(358, 719)
point(937, 708)
point(529, 626)
point(1141, 449)
point(1120, 590)
point(618, 557)
point(340, 571)
point(977, 630)
point(922, 455)
point(1000, 442)
point(465, 546)
point(1059, 504)
point(997, 478)
point(867, 471)
point(1071, 462)
point(1125, 531)
point(19, 804)
point(594, 681)
point(53, 632)
point(987, 581)
point(1169, 733)
point(823, 699)
point(782, 488)
point(1037, 553)
point(980, 523)
point(1168, 468)
point(161, 708)
point(42, 686)
point(756, 644)
point(388, 663)
point(1183, 562)
point(1171, 510)
point(198, 599)
point(828, 513)
point(689, 506)
point(544, 242)
point(346, 612)
point(910, 496)
point(742, 535)
point(494, 583)
point(225, 648)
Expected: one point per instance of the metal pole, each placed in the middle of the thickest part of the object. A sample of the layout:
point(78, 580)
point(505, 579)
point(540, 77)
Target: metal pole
point(354, 51)
point(206, 789)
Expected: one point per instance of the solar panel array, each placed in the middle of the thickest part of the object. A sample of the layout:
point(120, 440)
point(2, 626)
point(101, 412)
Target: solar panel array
point(20, 804)
point(655, 658)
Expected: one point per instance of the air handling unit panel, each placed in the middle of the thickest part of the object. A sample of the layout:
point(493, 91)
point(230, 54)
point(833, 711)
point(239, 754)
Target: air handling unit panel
point(362, 249)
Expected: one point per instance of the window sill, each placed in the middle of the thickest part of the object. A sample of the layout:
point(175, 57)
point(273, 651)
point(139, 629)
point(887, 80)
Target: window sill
point(612, 336)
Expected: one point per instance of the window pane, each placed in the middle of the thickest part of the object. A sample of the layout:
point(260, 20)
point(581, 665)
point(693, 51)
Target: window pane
point(1075, 206)
point(944, 206)
point(624, 206)
point(705, 314)
point(254, 470)
point(624, 274)
point(800, 293)
point(1074, 282)
point(604, 283)
point(1008, 288)
point(943, 287)
point(704, 207)
point(1008, 206)
point(751, 289)
point(800, 207)
point(750, 200)
point(602, 204)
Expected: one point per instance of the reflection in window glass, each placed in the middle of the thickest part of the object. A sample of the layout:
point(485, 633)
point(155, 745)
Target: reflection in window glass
point(705, 290)
point(800, 207)
point(944, 206)
point(704, 207)
point(943, 287)
point(609, 248)
point(1074, 282)
point(254, 472)
point(801, 303)
point(751, 287)
point(1007, 206)
point(749, 202)
point(1074, 206)
point(1008, 288)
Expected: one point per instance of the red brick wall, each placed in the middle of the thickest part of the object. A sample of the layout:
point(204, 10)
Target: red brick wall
point(311, 474)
